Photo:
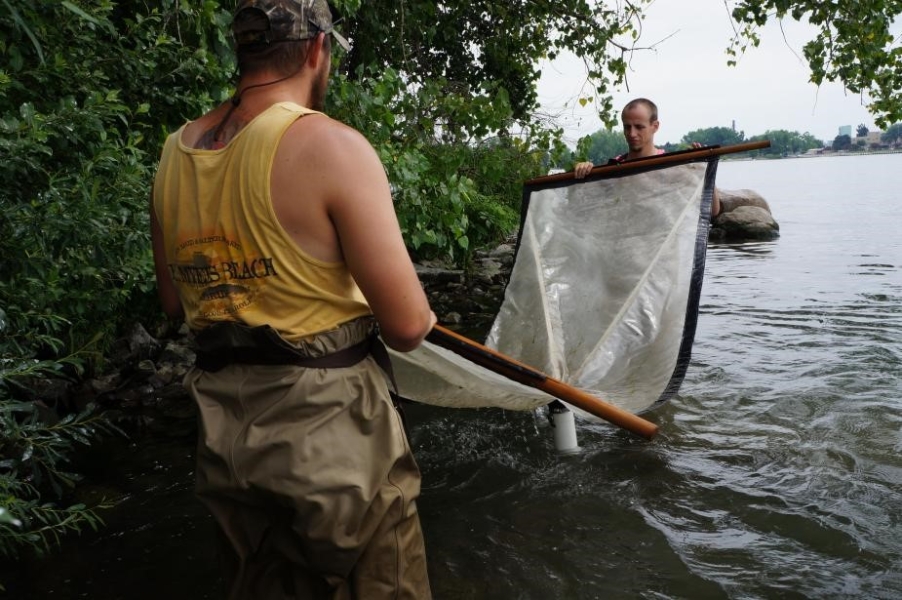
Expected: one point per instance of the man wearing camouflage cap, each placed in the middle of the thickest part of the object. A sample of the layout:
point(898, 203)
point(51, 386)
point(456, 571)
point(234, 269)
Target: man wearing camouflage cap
point(275, 238)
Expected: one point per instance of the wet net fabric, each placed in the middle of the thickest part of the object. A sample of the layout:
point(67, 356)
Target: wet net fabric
point(603, 294)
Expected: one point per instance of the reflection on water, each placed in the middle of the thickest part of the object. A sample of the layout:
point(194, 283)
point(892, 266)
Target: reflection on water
point(777, 472)
point(748, 249)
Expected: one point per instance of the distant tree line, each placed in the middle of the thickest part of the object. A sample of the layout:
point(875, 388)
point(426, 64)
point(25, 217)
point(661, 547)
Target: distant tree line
point(607, 143)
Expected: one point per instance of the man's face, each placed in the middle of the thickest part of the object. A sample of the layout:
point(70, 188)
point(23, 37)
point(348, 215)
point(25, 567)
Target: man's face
point(638, 128)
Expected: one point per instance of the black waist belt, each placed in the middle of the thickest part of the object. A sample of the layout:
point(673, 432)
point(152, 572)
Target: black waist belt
point(226, 343)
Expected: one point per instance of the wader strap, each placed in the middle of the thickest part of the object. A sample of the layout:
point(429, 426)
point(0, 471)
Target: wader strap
point(382, 358)
point(227, 343)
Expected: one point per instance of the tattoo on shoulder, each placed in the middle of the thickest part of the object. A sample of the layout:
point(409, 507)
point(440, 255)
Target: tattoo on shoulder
point(208, 142)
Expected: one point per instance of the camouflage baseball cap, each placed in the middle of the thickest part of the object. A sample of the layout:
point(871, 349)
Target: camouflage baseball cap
point(266, 21)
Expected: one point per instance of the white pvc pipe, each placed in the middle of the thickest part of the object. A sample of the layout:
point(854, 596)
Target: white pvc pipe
point(564, 426)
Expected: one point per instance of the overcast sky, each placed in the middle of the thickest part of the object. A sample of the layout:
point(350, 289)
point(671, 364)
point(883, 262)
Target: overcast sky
point(688, 77)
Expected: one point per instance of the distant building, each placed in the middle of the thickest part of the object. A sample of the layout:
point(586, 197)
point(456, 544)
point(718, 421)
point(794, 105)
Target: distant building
point(871, 140)
point(845, 130)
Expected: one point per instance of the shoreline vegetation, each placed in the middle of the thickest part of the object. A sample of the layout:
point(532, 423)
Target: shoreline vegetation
point(602, 144)
point(824, 154)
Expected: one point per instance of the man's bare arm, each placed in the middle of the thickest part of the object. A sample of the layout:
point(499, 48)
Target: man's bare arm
point(166, 291)
point(359, 205)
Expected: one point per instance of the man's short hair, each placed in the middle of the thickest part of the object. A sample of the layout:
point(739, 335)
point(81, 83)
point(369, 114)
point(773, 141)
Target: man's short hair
point(281, 59)
point(652, 107)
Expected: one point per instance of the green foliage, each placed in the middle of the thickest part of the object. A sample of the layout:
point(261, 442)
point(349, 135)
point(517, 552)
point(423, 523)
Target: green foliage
point(785, 143)
point(854, 44)
point(500, 43)
point(76, 241)
point(714, 136)
point(494, 42)
point(842, 142)
point(88, 89)
point(893, 134)
point(603, 145)
point(444, 181)
point(34, 452)
point(88, 92)
point(861, 130)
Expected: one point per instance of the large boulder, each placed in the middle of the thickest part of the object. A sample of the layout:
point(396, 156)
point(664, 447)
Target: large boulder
point(745, 223)
point(744, 215)
point(733, 199)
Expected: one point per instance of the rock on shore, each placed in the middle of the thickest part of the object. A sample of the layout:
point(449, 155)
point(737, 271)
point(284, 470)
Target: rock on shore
point(744, 215)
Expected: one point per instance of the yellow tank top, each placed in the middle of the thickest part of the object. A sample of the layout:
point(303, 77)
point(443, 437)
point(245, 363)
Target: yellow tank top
point(229, 256)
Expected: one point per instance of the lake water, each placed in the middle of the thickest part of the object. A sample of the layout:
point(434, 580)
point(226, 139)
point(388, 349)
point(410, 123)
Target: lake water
point(776, 474)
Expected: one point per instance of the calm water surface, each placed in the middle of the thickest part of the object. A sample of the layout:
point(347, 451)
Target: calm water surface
point(777, 472)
